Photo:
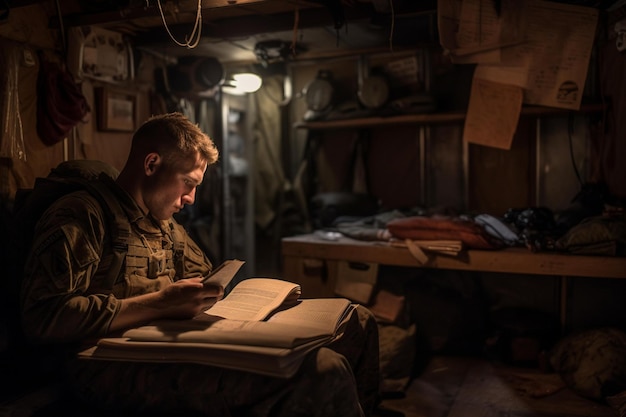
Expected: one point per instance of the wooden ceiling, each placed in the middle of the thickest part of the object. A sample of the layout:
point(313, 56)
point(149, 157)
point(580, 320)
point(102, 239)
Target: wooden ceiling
point(230, 29)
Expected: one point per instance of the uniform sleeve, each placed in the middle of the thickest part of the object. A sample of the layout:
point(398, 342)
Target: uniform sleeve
point(57, 305)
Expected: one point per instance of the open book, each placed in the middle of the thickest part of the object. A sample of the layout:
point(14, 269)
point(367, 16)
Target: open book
point(261, 326)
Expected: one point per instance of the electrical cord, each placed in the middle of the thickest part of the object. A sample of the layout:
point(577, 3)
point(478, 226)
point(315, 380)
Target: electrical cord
point(189, 43)
point(393, 23)
point(570, 134)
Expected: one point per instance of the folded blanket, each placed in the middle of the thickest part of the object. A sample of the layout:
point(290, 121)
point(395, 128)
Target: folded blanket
point(467, 231)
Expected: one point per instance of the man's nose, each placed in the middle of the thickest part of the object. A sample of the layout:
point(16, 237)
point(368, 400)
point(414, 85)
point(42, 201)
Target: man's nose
point(190, 197)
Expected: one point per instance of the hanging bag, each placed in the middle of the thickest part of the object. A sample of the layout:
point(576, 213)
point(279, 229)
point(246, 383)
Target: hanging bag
point(61, 104)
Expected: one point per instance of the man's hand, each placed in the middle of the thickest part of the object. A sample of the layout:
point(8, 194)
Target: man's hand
point(182, 299)
point(188, 297)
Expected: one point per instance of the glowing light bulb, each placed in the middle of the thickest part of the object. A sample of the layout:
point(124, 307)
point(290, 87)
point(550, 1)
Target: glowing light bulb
point(247, 82)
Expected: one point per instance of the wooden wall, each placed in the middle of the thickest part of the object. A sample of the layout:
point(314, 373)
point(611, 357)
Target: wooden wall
point(26, 30)
point(429, 165)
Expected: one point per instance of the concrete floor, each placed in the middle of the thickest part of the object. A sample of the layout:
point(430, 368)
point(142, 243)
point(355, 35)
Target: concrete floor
point(470, 387)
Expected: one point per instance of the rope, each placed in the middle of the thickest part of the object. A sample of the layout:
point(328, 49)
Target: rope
point(393, 23)
point(195, 33)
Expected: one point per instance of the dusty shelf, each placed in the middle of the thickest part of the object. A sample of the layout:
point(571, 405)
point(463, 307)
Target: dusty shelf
point(430, 118)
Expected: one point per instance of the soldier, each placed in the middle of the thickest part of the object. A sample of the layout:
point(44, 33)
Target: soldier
point(106, 260)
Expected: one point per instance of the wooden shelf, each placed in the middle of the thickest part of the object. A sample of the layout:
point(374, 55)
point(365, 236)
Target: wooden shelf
point(430, 118)
point(513, 260)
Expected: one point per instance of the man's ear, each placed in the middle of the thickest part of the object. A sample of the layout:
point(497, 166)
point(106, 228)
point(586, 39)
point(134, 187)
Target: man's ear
point(151, 163)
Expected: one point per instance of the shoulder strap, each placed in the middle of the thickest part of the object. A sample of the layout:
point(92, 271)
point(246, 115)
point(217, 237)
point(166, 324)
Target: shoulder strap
point(118, 224)
point(179, 243)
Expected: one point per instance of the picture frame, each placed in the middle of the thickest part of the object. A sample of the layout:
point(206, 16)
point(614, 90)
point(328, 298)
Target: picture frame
point(116, 110)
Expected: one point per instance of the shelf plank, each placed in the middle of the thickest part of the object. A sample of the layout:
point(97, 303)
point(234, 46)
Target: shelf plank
point(427, 118)
point(431, 118)
point(512, 260)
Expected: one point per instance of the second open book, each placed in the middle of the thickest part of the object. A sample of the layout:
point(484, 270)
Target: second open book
point(261, 326)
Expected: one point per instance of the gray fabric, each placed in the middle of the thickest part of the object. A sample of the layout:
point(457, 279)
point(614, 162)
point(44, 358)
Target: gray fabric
point(270, 177)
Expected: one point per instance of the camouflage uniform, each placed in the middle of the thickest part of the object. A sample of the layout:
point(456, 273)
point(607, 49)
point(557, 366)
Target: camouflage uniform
point(69, 296)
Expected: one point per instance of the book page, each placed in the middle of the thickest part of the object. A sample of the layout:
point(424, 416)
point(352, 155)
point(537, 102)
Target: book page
point(277, 362)
point(255, 298)
point(274, 347)
point(316, 313)
point(223, 274)
point(308, 320)
point(248, 333)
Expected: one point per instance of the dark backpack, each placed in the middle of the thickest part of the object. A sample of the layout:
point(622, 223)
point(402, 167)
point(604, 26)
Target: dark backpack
point(29, 206)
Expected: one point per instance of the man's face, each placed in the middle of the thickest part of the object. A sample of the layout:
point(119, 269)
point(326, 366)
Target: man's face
point(169, 189)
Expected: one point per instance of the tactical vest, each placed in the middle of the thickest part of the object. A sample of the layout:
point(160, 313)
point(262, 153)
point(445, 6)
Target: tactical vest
point(128, 252)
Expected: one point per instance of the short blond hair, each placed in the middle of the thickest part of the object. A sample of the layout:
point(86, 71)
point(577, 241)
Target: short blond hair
point(174, 137)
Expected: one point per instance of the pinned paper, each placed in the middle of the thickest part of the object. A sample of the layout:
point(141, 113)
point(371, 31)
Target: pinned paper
point(492, 114)
point(542, 46)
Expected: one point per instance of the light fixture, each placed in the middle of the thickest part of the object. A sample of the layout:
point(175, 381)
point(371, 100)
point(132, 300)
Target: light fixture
point(242, 83)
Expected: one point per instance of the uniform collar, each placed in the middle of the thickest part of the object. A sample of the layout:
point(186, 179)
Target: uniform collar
point(134, 213)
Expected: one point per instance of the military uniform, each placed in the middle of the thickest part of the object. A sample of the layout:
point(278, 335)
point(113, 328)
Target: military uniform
point(71, 293)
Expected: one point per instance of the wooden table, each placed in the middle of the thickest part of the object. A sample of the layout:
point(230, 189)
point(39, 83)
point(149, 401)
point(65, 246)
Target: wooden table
point(305, 255)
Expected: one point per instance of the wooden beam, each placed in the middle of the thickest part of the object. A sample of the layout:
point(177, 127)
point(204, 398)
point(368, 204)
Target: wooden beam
point(250, 25)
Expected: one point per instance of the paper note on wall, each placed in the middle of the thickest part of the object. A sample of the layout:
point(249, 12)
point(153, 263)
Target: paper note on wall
point(547, 44)
point(474, 31)
point(560, 40)
point(493, 113)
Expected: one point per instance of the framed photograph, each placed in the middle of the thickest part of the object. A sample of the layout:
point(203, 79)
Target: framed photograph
point(116, 110)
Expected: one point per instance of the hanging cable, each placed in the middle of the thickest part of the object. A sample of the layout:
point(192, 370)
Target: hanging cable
point(570, 134)
point(296, 22)
point(393, 22)
point(61, 28)
point(189, 43)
